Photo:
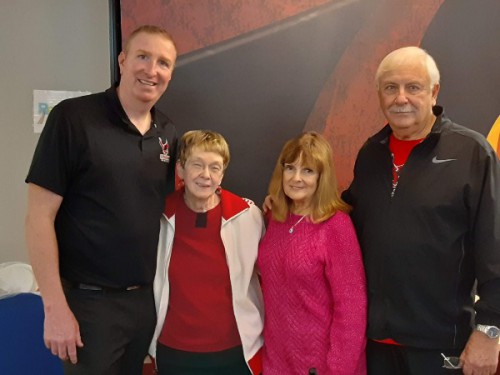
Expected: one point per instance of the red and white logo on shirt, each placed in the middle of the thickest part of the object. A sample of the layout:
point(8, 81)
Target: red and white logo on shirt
point(164, 156)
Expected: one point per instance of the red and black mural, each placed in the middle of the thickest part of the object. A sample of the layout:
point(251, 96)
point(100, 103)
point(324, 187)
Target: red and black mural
point(262, 71)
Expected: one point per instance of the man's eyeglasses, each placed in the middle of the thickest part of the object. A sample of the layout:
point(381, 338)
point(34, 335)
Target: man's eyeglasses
point(451, 363)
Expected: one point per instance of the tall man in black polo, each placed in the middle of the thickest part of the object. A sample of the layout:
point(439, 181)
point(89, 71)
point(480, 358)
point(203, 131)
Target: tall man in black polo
point(97, 183)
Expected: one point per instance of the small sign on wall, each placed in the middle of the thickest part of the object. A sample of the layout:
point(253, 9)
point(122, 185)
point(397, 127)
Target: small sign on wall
point(45, 100)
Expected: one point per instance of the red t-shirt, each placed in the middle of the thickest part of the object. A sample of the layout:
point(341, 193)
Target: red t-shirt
point(200, 315)
point(400, 151)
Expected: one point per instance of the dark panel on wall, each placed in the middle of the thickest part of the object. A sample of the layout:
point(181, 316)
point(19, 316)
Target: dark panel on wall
point(258, 90)
point(261, 71)
point(464, 38)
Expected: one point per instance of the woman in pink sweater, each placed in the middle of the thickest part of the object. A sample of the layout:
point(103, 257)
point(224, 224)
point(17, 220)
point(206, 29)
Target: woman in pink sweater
point(311, 267)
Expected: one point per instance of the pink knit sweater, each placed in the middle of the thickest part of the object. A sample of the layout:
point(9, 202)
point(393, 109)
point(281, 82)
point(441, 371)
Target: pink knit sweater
point(314, 296)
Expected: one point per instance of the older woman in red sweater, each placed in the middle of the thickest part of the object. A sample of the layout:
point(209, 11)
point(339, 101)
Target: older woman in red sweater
point(208, 297)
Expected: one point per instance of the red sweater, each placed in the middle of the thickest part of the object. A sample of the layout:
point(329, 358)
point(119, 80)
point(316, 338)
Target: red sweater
point(200, 315)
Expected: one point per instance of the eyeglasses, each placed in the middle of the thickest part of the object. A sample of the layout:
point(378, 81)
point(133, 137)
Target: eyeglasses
point(451, 363)
point(215, 169)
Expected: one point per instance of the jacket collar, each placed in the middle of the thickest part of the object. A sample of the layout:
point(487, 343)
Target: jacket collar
point(231, 204)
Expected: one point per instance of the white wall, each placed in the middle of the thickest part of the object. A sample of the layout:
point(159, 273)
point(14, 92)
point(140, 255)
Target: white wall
point(45, 45)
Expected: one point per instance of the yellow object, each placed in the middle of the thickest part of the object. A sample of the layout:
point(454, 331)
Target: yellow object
point(494, 136)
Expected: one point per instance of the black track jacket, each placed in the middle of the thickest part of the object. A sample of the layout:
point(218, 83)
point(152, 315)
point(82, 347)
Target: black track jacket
point(425, 247)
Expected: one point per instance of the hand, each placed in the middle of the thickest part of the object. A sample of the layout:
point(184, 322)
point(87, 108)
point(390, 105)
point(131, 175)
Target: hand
point(267, 205)
point(480, 356)
point(62, 333)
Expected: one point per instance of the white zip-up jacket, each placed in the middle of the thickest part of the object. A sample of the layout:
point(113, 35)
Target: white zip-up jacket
point(241, 230)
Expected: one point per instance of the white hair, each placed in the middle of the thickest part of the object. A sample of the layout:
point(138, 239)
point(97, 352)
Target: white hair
point(405, 56)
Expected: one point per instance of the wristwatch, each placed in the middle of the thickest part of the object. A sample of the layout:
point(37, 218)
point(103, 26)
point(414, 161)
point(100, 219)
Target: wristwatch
point(492, 332)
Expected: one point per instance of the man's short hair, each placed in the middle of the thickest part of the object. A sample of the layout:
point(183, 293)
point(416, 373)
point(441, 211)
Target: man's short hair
point(149, 29)
point(404, 55)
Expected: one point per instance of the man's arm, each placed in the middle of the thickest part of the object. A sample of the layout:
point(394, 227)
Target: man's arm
point(480, 356)
point(267, 205)
point(61, 330)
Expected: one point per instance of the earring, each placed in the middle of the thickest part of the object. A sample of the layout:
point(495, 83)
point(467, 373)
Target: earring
point(218, 190)
point(179, 183)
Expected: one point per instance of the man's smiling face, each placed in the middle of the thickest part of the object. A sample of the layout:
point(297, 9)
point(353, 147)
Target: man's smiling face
point(146, 67)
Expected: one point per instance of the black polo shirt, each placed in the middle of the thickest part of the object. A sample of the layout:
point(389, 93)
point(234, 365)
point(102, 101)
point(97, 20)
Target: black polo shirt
point(113, 181)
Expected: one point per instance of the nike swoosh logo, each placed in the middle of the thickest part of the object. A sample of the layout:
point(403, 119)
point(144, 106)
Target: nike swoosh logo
point(435, 160)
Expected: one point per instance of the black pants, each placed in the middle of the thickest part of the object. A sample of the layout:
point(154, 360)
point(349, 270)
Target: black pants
point(177, 362)
point(116, 330)
point(385, 359)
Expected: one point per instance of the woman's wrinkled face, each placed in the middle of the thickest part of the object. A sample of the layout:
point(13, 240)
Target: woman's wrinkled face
point(202, 173)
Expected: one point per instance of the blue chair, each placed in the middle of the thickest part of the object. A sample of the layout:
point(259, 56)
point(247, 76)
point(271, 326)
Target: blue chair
point(22, 350)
